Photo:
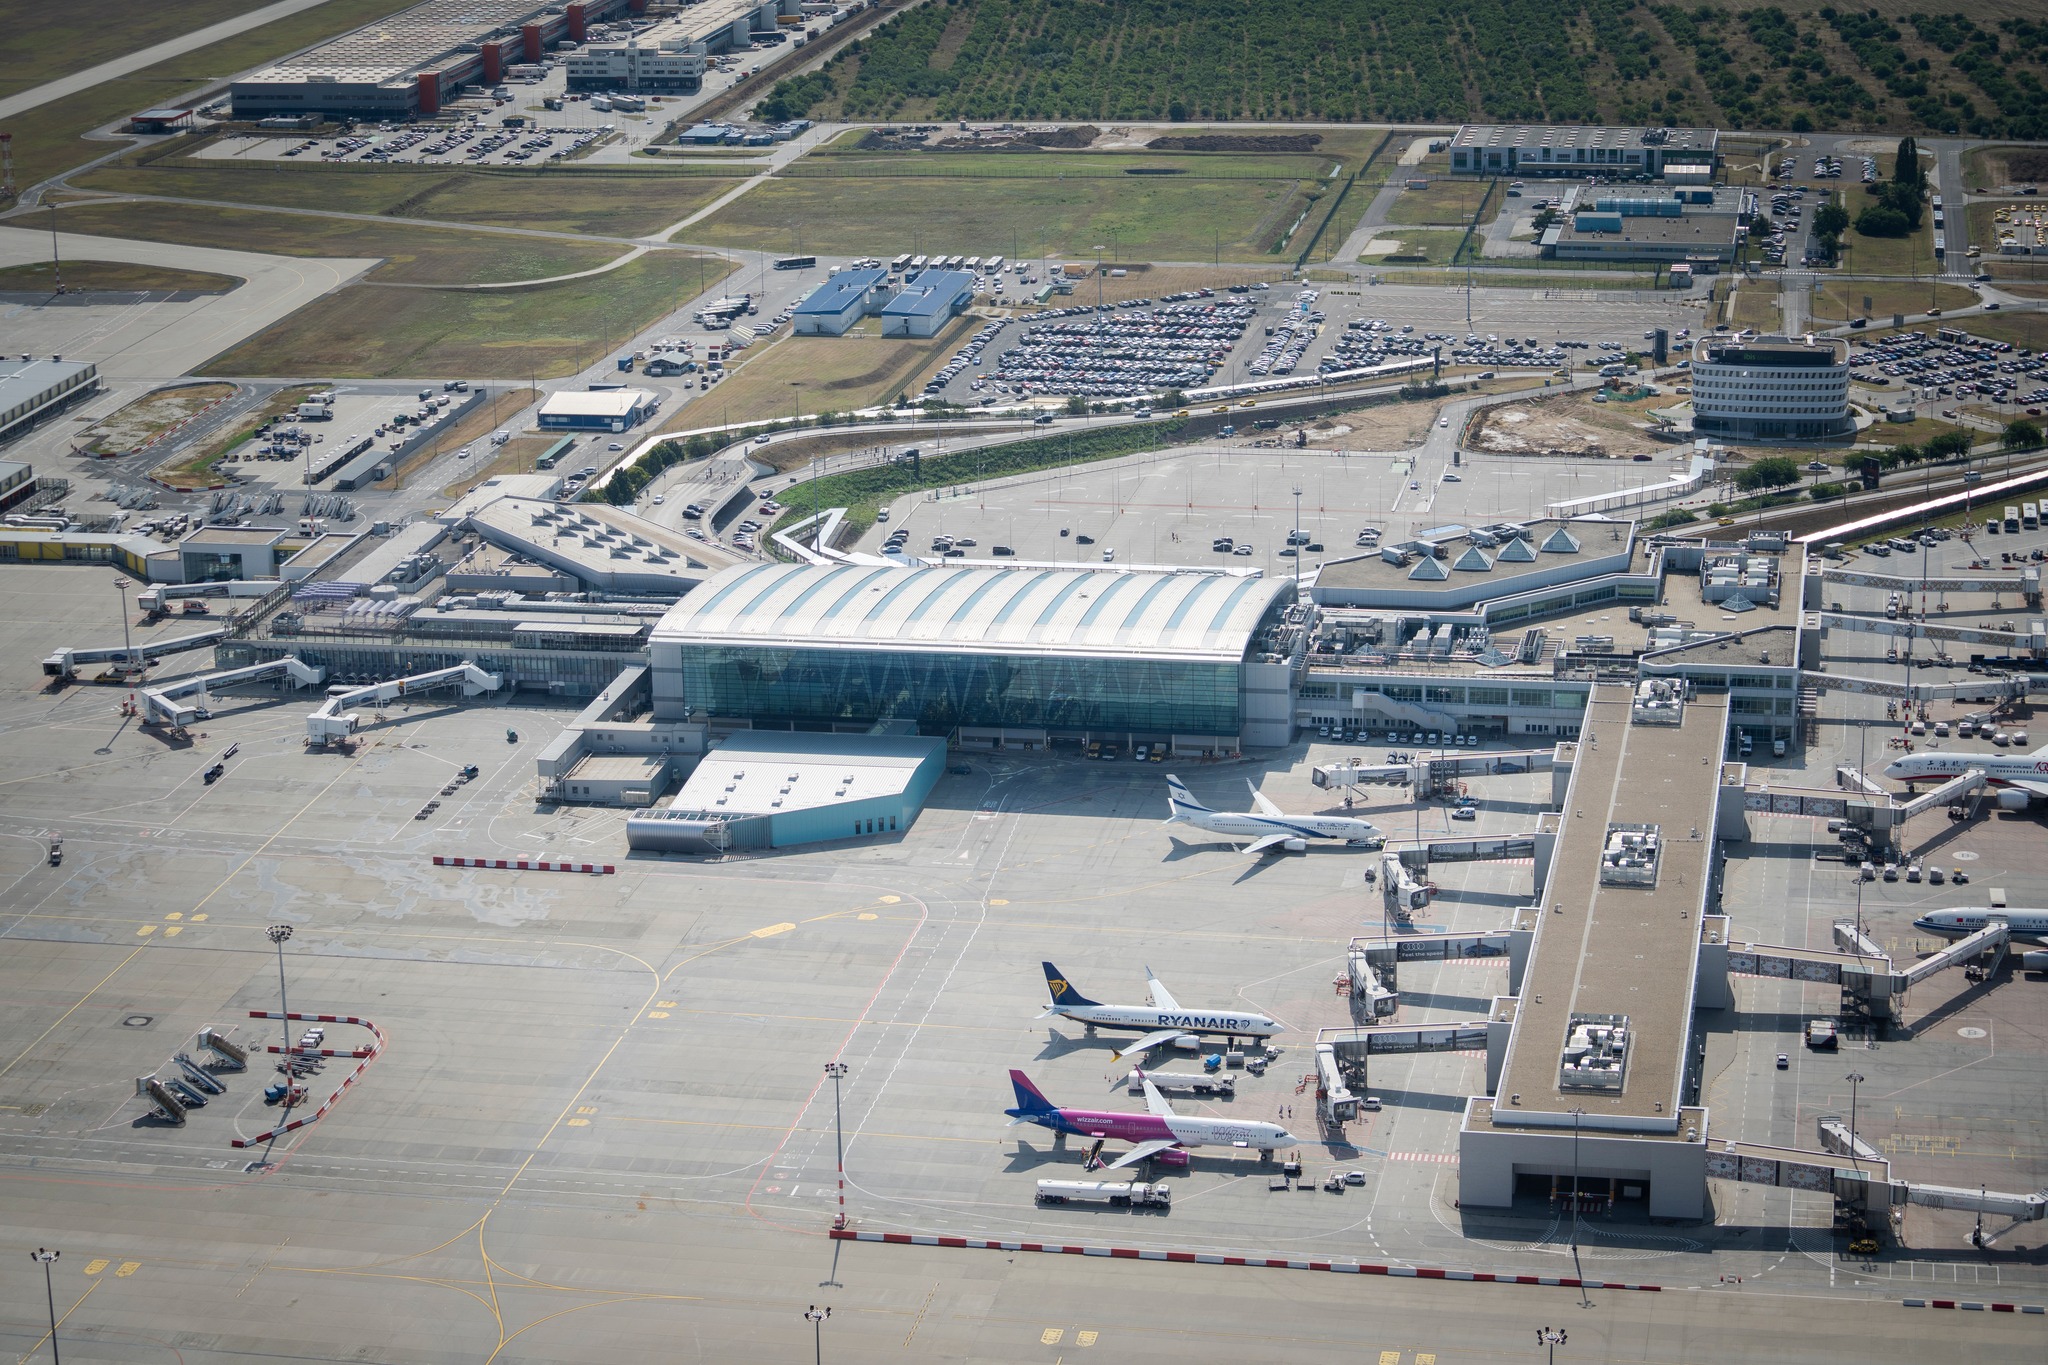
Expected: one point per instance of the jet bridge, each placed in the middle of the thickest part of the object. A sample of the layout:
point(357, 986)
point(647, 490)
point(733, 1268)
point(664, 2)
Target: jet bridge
point(157, 601)
point(1866, 974)
point(2032, 642)
point(185, 701)
point(65, 663)
point(2027, 583)
point(2008, 687)
point(1993, 937)
point(1856, 1174)
point(334, 723)
point(1961, 785)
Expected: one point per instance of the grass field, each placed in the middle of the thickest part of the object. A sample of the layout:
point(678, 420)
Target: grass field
point(368, 331)
point(45, 42)
point(114, 275)
point(1444, 202)
point(1991, 168)
point(149, 416)
point(1143, 217)
point(614, 204)
point(1436, 245)
point(1910, 255)
point(1919, 431)
point(818, 374)
point(412, 255)
point(1755, 304)
point(47, 139)
point(1840, 300)
point(2021, 329)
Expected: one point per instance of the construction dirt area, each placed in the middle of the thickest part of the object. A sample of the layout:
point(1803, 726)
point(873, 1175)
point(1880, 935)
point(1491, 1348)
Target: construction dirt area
point(1569, 424)
point(1395, 426)
point(149, 417)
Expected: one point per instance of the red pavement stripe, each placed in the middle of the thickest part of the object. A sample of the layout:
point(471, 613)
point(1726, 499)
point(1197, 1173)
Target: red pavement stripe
point(1211, 1258)
point(524, 865)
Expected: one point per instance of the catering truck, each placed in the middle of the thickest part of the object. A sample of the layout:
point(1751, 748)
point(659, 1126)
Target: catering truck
point(1123, 1193)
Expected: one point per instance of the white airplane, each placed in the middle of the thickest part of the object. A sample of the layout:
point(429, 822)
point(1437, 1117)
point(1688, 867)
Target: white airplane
point(1160, 1133)
point(1267, 826)
point(2024, 779)
point(2025, 926)
point(1165, 1020)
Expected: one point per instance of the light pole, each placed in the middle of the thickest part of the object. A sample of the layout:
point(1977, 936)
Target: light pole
point(837, 1071)
point(1855, 1079)
point(1552, 1337)
point(121, 596)
point(1294, 542)
point(816, 1316)
point(278, 933)
point(48, 1258)
point(1578, 1114)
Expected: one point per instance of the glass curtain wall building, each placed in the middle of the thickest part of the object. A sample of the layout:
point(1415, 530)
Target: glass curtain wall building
point(1070, 650)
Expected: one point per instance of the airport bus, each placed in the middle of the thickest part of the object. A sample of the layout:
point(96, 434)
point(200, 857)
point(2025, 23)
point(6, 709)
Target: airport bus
point(919, 262)
point(2012, 521)
point(795, 262)
point(900, 264)
point(995, 265)
point(2030, 516)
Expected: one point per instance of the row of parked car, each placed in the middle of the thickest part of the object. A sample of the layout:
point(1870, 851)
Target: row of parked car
point(1953, 368)
point(1137, 350)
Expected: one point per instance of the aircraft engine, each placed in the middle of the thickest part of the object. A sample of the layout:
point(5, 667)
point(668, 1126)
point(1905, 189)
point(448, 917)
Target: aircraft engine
point(2013, 800)
point(1296, 846)
point(1187, 1042)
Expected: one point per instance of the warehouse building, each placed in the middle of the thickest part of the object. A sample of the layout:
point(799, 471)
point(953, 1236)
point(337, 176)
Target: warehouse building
point(597, 409)
point(1698, 226)
point(766, 790)
point(1675, 154)
point(1199, 660)
point(927, 302)
point(1772, 388)
point(32, 391)
point(841, 301)
point(410, 65)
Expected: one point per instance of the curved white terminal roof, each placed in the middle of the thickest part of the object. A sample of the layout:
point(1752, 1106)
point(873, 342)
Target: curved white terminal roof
point(973, 609)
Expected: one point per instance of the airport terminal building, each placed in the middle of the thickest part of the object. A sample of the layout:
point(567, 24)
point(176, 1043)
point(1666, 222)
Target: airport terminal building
point(1032, 655)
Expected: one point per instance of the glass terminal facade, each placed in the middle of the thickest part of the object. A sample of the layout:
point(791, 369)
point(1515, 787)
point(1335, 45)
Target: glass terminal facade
point(942, 690)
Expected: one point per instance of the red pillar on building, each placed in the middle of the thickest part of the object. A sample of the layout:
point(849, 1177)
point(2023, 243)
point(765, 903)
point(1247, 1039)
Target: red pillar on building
point(430, 92)
point(494, 63)
point(576, 30)
point(531, 34)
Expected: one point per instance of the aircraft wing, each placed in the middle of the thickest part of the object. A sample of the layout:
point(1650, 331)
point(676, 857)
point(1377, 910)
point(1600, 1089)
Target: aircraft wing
point(1148, 1042)
point(1156, 1102)
point(2037, 790)
point(1270, 841)
point(1261, 802)
point(1141, 1152)
point(1160, 998)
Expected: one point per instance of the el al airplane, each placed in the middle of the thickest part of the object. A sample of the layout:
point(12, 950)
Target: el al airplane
point(1266, 825)
point(1159, 1133)
point(1166, 1019)
point(2024, 926)
point(2024, 779)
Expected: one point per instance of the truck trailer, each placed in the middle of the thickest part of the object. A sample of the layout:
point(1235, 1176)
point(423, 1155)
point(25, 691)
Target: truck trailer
point(1122, 1193)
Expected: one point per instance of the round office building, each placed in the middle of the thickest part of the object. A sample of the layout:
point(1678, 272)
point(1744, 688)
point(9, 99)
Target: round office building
point(1771, 388)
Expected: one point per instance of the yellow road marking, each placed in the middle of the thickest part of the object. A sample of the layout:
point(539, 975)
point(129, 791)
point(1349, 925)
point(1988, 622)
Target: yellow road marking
point(68, 1013)
point(174, 930)
point(577, 1123)
point(888, 900)
point(657, 1014)
point(145, 931)
point(197, 918)
point(1084, 1338)
point(1051, 1336)
point(175, 915)
point(867, 914)
point(127, 1268)
point(998, 901)
point(772, 930)
point(95, 1267)
point(666, 1004)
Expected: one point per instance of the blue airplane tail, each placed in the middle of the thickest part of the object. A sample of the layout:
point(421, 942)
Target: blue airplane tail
point(1177, 794)
point(1032, 1105)
point(1063, 992)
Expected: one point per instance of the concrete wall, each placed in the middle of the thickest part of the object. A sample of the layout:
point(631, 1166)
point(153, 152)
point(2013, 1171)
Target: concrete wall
point(1265, 700)
point(1490, 1158)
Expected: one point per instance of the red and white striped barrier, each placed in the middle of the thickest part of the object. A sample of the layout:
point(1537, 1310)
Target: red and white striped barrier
point(1213, 1258)
point(368, 1055)
point(1968, 1307)
point(525, 865)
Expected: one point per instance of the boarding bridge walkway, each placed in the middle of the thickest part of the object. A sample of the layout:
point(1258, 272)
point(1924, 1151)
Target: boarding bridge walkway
point(1351, 1049)
point(183, 702)
point(333, 723)
point(1963, 784)
point(156, 601)
point(1862, 970)
point(1996, 934)
point(2027, 583)
point(1856, 1174)
point(2010, 687)
point(2032, 642)
point(65, 663)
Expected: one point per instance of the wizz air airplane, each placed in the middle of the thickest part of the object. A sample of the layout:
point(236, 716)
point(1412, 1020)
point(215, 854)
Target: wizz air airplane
point(1165, 1019)
point(1265, 825)
point(2025, 926)
point(1161, 1133)
point(2023, 780)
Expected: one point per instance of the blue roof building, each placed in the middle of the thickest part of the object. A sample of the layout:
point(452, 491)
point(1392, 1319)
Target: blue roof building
point(927, 301)
point(838, 303)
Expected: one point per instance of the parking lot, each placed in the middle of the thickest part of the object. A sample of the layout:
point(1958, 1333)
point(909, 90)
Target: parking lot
point(1176, 506)
point(473, 143)
point(1947, 362)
